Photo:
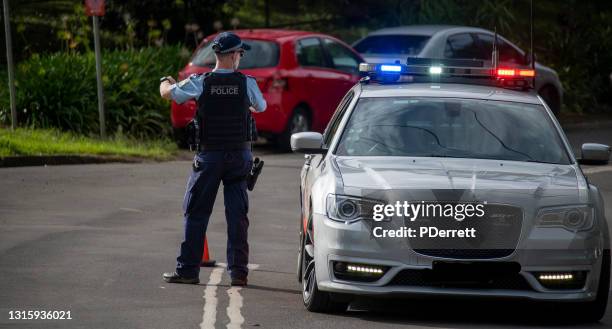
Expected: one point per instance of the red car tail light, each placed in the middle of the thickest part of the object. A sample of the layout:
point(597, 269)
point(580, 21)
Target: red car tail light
point(273, 84)
point(279, 84)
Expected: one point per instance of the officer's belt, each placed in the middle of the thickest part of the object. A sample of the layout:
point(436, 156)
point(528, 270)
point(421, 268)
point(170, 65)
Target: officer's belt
point(225, 147)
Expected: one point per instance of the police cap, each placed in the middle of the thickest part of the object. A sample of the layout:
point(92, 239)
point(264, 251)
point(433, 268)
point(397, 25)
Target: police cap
point(227, 42)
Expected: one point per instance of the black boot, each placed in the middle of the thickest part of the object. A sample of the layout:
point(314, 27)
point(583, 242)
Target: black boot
point(173, 277)
point(236, 282)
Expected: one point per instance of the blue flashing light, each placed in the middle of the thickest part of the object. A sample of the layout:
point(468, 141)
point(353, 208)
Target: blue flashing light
point(391, 68)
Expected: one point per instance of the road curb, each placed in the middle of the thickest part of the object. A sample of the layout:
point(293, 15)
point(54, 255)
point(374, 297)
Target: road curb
point(43, 160)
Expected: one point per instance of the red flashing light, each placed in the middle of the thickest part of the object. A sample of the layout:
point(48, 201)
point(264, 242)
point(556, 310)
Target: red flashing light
point(527, 73)
point(504, 72)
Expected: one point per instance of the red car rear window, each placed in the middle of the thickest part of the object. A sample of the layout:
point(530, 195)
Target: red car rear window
point(262, 54)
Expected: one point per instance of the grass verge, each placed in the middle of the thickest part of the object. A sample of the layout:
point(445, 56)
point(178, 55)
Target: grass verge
point(38, 142)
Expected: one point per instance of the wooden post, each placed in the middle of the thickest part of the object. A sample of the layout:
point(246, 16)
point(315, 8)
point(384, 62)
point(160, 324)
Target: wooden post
point(96, 31)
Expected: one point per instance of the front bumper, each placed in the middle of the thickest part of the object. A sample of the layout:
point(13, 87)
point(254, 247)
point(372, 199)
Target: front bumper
point(354, 243)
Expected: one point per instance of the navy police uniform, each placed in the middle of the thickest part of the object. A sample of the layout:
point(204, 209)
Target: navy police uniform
point(224, 156)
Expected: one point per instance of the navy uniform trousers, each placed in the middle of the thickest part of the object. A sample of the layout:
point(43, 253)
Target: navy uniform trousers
point(214, 167)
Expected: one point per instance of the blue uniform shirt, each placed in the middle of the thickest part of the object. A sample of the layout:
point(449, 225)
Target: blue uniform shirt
point(193, 87)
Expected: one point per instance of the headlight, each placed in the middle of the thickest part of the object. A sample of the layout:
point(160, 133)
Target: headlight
point(572, 218)
point(349, 209)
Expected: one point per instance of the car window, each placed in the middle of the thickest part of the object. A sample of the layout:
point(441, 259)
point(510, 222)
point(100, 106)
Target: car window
point(507, 53)
point(342, 58)
point(337, 117)
point(449, 127)
point(392, 44)
point(310, 53)
point(462, 46)
point(262, 54)
point(486, 46)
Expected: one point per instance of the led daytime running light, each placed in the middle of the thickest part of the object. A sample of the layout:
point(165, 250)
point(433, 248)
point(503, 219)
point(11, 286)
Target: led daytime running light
point(364, 269)
point(556, 277)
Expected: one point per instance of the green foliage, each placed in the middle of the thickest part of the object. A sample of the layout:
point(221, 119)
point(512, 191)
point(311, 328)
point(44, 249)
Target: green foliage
point(59, 90)
point(74, 30)
point(24, 141)
point(572, 36)
point(578, 47)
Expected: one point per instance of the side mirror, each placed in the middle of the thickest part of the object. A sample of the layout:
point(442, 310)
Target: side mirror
point(308, 142)
point(593, 153)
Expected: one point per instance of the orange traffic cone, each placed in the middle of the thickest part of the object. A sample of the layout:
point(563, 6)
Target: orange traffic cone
point(206, 261)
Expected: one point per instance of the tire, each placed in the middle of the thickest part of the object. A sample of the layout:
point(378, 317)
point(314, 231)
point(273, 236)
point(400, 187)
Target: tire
point(180, 137)
point(299, 122)
point(593, 311)
point(551, 97)
point(314, 299)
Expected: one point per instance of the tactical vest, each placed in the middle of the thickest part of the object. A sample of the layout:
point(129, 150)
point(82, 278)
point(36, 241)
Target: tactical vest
point(223, 111)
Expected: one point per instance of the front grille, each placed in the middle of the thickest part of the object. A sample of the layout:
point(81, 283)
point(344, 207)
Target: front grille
point(497, 235)
point(426, 278)
point(466, 253)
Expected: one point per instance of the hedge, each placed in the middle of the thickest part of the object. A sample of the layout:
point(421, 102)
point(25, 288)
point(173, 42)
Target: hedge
point(59, 91)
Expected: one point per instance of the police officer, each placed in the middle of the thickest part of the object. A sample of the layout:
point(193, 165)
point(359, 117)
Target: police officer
point(224, 99)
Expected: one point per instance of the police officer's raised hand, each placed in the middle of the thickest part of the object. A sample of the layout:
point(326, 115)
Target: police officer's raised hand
point(165, 87)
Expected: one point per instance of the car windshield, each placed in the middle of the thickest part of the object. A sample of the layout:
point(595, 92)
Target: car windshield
point(448, 127)
point(262, 54)
point(392, 44)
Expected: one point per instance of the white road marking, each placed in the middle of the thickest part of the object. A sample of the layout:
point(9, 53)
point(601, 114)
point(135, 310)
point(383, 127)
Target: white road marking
point(234, 307)
point(595, 170)
point(210, 298)
point(209, 318)
point(235, 304)
point(253, 266)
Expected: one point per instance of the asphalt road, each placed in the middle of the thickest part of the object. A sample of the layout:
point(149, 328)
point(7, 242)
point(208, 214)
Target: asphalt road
point(94, 240)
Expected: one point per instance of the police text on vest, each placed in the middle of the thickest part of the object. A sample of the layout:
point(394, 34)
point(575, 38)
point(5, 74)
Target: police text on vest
point(224, 90)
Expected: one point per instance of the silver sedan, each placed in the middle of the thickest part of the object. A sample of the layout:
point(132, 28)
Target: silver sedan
point(543, 236)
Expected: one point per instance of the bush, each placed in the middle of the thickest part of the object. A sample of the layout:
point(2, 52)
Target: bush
point(59, 90)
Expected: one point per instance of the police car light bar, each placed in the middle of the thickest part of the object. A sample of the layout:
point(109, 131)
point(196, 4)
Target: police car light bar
point(448, 71)
point(366, 68)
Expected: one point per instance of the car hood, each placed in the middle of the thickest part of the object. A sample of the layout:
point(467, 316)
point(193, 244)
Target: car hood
point(426, 174)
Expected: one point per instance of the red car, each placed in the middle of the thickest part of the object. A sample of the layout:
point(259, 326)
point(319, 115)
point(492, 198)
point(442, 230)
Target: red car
point(302, 76)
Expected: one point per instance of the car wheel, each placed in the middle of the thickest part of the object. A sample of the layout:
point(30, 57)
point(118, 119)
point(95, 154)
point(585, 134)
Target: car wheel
point(594, 310)
point(551, 97)
point(180, 137)
point(299, 122)
point(314, 299)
